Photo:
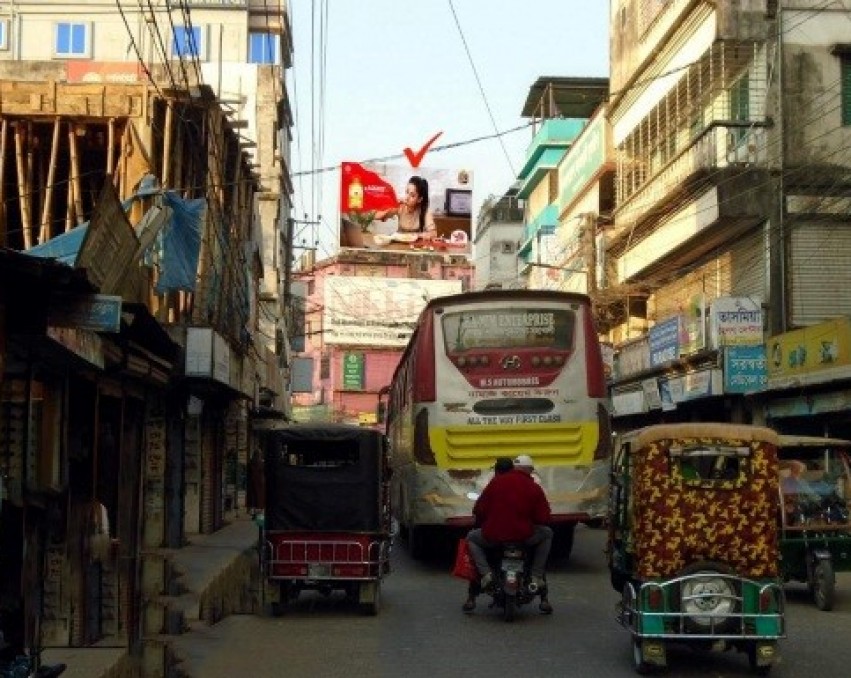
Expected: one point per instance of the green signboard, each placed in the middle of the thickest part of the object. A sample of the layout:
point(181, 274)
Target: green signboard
point(353, 371)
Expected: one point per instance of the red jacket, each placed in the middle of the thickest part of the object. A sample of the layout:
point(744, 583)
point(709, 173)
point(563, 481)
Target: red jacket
point(510, 506)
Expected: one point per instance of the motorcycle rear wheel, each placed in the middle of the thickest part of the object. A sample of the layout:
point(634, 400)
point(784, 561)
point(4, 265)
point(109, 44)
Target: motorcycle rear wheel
point(510, 607)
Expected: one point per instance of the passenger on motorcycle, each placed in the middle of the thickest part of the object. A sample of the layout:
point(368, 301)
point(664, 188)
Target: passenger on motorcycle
point(512, 508)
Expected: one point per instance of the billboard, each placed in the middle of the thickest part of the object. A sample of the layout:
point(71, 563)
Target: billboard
point(366, 311)
point(377, 213)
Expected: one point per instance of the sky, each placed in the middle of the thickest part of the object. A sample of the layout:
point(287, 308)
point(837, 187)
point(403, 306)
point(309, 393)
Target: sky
point(373, 77)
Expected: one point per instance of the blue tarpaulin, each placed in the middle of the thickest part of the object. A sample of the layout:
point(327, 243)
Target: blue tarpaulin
point(179, 243)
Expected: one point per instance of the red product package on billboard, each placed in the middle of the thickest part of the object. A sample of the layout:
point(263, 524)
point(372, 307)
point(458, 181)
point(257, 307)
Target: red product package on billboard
point(362, 190)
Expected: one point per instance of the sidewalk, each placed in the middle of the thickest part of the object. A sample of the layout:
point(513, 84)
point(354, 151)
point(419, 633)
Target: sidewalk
point(215, 575)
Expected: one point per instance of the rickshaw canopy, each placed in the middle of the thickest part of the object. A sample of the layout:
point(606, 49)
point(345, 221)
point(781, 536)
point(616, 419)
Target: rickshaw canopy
point(700, 492)
point(326, 477)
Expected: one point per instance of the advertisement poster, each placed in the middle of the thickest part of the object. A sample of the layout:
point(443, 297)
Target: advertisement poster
point(365, 311)
point(404, 209)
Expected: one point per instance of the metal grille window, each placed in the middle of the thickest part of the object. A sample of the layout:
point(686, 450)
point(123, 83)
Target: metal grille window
point(845, 66)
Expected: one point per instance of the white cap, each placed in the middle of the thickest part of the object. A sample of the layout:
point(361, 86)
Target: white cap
point(524, 461)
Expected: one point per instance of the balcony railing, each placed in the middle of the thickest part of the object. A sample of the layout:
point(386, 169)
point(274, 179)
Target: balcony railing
point(719, 146)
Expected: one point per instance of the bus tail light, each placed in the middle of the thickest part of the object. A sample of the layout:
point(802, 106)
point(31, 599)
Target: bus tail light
point(424, 386)
point(422, 446)
point(604, 428)
point(593, 358)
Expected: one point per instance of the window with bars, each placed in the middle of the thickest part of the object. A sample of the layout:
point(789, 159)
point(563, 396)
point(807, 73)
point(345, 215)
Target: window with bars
point(845, 67)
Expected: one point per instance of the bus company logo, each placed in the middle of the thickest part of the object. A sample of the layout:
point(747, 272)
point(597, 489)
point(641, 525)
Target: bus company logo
point(510, 362)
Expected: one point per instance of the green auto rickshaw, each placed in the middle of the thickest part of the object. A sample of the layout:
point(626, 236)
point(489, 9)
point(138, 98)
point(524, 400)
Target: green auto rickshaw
point(815, 522)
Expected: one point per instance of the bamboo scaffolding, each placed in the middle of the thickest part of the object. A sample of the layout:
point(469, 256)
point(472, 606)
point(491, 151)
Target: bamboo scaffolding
point(47, 207)
point(3, 136)
point(23, 189)
point(75, 174)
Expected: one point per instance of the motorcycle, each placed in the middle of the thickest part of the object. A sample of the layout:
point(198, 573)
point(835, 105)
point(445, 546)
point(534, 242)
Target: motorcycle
point(513, 586)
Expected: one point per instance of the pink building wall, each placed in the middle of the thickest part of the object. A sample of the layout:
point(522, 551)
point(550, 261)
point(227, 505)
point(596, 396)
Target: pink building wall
point(380, 362)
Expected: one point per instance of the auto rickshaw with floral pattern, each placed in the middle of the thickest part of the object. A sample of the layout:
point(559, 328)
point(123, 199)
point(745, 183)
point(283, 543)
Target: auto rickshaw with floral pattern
point(693, 541)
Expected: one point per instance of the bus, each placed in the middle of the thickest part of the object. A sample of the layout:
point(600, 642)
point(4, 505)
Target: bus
point(498, 373)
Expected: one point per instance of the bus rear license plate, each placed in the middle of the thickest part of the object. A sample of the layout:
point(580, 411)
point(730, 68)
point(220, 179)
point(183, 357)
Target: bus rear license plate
point(318, 570)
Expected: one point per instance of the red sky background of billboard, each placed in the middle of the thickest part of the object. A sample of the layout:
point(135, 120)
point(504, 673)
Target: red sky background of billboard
point(378, 194)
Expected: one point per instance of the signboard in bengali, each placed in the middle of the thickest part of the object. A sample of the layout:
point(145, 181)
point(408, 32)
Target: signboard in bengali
point(690, 386)
point(810, 349)
point(371, 195)
point(736, 321)
point(651, 394)
point(744, 369)
point(582, 161)
point(628, 402)
point(95, 312)
point(664, 338)
point(353, 371)
point(363, 311)
point(633, 358)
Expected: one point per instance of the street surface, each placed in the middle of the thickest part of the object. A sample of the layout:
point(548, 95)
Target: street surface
point(422, 633)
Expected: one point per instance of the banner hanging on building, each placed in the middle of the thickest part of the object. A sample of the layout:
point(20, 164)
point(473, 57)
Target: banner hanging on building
point(367, 311)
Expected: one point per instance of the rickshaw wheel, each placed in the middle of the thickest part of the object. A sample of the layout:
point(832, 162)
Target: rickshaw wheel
point(760, 670)
point(510, 607)
point(641, 667)
point(370, 607)
point(823, 585)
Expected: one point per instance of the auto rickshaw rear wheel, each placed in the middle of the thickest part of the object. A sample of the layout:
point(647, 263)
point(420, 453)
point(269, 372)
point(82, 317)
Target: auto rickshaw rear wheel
point(640, 665)
point(823, 585)
point(753, 650)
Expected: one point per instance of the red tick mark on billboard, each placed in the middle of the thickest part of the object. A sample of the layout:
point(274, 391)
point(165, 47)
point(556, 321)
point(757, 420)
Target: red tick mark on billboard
point(416, 158)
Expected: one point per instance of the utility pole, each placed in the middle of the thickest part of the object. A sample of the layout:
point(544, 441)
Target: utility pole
point(289, 253)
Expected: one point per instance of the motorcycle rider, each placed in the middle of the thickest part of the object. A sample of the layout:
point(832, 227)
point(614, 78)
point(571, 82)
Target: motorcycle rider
point(513, 508)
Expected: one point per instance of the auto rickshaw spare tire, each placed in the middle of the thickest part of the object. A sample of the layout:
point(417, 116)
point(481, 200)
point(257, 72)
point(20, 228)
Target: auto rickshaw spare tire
point(823, 585)
point(710, 595)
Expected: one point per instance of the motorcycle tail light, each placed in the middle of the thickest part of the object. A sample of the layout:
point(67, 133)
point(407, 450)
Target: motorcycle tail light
point(655, 599)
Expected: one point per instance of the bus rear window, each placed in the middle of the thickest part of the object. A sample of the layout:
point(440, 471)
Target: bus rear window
point(509, 328)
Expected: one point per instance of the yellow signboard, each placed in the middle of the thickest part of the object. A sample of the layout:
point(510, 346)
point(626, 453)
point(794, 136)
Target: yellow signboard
point(810, 349)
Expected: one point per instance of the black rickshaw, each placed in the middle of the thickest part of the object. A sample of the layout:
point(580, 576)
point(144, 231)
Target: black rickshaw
point(693, 543)
point(815, 538)
point(327, 514)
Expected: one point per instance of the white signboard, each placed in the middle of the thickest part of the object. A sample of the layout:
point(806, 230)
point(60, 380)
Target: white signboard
point(207, 355)
point(736, 321)
point(367, 311)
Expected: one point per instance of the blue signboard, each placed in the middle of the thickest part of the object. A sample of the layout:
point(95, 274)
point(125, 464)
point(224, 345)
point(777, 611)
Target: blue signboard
point(664, 339)
point(744, 369)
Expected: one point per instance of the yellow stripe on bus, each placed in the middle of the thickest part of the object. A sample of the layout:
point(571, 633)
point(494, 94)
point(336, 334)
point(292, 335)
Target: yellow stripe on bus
point(566, 444)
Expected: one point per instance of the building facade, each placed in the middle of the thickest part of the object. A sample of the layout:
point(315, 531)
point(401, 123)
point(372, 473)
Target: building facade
point(161, 170)
point(731, 135)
